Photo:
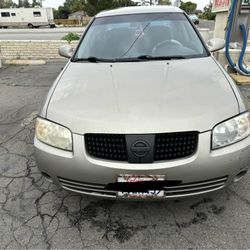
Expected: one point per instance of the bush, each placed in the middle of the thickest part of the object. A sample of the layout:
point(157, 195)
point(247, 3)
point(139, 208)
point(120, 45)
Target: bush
point(208, 14)
point(71, 37)
point(92, 7)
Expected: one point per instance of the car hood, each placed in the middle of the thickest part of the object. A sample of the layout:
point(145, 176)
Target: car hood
point(142, 97)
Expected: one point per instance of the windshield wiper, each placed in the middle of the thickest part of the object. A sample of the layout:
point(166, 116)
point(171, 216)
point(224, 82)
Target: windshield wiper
point(92, 59)
point(148, 57)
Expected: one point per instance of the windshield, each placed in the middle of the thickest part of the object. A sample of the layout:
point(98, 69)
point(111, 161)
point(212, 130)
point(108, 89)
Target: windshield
point(141, 36)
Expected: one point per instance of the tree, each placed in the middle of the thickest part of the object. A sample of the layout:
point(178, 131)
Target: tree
point(20, 3)
point(188, 7)
point(164, 2)
point(74, 5)
point(26, 4)
point(92, 7)
point(207, 14)
point(62, 13)
point(36, 3)
point(68, 7)
point(6, 4)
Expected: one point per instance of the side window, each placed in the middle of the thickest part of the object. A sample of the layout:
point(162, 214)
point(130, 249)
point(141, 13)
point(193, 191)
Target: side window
point(13, 14)
point(36, 13)
point(5, 14)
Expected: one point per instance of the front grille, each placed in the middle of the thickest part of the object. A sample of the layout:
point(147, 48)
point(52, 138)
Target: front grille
point(106, 146)
point(167, 146)
point(175, 145)
point(172, 191)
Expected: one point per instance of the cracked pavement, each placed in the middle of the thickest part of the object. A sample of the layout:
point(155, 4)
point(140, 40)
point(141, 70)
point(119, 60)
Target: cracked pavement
point(37, 214)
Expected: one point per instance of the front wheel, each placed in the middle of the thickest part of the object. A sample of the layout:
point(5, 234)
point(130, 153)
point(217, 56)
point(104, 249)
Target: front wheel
point(52, 26)
point(30, 26)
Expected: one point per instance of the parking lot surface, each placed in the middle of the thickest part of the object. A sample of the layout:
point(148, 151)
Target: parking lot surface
point(38, 34)
point(58, 33)
point(35, 213)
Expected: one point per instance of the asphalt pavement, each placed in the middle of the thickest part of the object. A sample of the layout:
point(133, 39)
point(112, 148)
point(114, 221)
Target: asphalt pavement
point(38, 34)
point(58, 33)
point(35, 213)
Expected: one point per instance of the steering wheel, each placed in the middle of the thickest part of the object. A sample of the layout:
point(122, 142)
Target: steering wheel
point(166, 43)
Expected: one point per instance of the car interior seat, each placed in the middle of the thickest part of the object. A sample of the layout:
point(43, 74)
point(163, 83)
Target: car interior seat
point(156, 35)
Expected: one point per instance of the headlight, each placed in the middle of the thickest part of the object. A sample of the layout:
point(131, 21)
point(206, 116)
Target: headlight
point(53, 134)
point(231, 131)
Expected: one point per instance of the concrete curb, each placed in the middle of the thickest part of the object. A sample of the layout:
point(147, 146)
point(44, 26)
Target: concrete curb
point(24, 62)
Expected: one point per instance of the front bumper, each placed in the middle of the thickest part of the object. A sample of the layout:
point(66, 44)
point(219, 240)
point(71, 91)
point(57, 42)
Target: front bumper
point(204, 172)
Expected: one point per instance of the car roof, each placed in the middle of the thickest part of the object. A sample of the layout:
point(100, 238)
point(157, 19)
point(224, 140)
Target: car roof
point(139, 10)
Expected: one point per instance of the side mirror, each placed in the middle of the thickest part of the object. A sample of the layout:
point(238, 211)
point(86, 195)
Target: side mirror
point(216, 44)
point(66, 51)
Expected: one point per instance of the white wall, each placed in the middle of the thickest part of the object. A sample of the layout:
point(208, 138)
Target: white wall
point(36, 49)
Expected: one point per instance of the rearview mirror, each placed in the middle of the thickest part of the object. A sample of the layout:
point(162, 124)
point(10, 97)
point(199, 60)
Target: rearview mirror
point(66, 51)
point(216, 44)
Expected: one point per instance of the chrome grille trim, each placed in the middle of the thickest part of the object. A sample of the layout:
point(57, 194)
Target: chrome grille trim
point(66, 181)
point(178, 190)
point(183, 190)
point(85, 188)
point(186, 194)
point(97, 194)
point(202, 183)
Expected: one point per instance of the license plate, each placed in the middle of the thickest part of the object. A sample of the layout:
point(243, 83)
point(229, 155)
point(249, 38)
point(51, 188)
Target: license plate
point(141, 178)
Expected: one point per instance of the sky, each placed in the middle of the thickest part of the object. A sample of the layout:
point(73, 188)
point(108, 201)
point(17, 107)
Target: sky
point(56, 3)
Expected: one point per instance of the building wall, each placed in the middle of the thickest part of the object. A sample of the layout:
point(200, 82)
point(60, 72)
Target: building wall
point(220, 24)
point(26, 49)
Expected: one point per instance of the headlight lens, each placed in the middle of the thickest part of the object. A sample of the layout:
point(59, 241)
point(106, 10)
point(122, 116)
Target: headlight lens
point(53, 134)
point(231, 131)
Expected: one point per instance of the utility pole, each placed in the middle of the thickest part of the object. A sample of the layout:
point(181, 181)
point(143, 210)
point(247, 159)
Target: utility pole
point(151, 2)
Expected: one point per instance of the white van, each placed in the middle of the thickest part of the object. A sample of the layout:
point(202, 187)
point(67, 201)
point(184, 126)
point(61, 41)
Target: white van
point(26, 17)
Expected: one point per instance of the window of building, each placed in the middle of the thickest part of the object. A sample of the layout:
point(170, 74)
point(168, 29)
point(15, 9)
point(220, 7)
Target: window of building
point(13, 14)
point(36, 13)
point(5, 14)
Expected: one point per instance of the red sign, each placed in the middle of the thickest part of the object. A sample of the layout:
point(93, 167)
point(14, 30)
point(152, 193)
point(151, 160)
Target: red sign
point(221, 5)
